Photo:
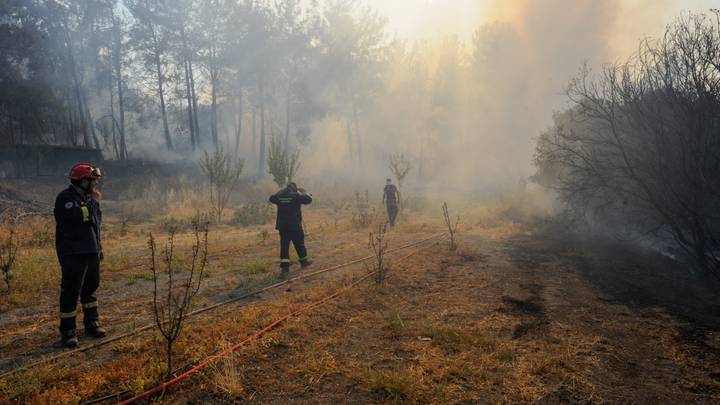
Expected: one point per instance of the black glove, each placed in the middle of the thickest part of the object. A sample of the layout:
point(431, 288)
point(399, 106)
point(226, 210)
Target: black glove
point(102, 256)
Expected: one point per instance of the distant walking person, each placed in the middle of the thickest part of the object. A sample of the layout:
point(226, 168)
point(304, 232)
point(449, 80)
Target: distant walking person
point(77, 241)
point(391, 199)
point(289, 202)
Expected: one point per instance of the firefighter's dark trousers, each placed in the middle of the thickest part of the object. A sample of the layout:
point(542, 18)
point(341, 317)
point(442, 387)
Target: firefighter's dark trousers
point(297, 237)
point(80, 278)
point(392, 210)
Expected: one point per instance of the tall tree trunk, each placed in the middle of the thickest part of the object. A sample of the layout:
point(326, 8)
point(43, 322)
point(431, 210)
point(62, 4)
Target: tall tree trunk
point(72, 138)
point(54, 123)
point(121, 108)
point(117, 59)
point(112, 115)
point(188, 90)
point(194, 102)
point(90, 121)
point(238, 122)
point(84, 111)
point(158, 68)
point(188, 93)
point(10, 126)
point(261, 160)
point(81, 117)
point(213, 105)
point(76, 87)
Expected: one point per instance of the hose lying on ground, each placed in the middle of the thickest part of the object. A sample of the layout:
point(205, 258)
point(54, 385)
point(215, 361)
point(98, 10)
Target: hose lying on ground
point(204, 363)
point(207, 308)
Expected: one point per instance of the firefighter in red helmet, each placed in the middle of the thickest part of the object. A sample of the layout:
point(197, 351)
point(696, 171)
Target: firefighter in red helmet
point(78, 220)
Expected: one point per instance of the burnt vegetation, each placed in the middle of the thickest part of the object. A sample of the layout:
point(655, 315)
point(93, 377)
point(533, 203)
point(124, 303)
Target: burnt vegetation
point(638, 151)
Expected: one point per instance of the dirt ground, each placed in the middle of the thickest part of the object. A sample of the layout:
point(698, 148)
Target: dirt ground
point(516, 315)
point(530, 318)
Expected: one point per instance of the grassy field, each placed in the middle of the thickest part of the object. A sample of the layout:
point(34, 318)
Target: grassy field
point(518, 314)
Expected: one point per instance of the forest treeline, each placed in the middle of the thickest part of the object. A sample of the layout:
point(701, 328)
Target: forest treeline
point(139, 78)
point(108, 73)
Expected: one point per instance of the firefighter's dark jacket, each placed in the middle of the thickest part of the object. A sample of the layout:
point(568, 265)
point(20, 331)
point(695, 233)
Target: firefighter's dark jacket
point(289, 214)
point(77, 224)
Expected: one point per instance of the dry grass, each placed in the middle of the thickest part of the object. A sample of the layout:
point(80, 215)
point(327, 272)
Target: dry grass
point(397, 385)
point(226, 375)
point(35, 274)
point(444, 329)
point(431, 337)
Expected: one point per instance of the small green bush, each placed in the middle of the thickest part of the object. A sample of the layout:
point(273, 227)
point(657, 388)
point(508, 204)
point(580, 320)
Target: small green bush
point(253, 214)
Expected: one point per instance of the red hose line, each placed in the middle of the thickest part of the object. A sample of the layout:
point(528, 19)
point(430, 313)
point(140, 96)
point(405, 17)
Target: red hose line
point(208, 360)
point(272, 325)
point(204, 309)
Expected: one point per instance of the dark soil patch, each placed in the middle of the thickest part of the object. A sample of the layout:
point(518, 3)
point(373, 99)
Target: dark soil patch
point(627, 275)
point(563, 395)
point(528, 306)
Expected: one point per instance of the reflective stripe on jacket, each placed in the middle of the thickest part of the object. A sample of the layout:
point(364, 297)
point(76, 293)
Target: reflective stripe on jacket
point(77, 223)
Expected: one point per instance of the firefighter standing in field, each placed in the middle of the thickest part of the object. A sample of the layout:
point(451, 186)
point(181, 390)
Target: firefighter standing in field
point(77, 241)
point(391, 199)
point(289, 203)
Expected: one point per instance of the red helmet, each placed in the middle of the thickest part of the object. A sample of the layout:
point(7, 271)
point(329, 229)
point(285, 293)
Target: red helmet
point(84, 171)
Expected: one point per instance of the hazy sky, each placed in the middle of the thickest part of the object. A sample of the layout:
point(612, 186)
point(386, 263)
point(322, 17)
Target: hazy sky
point(415, 19)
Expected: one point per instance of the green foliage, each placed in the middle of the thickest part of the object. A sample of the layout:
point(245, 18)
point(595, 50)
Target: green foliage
point(253, 214)
point(133, 276)
point(223, 173)
point(172, 225)
point(282, 164)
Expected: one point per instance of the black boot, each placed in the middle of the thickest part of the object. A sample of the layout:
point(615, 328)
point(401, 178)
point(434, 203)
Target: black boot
point(284, 272)
point(69, 339)
point(93, 329)
point(305, 263)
